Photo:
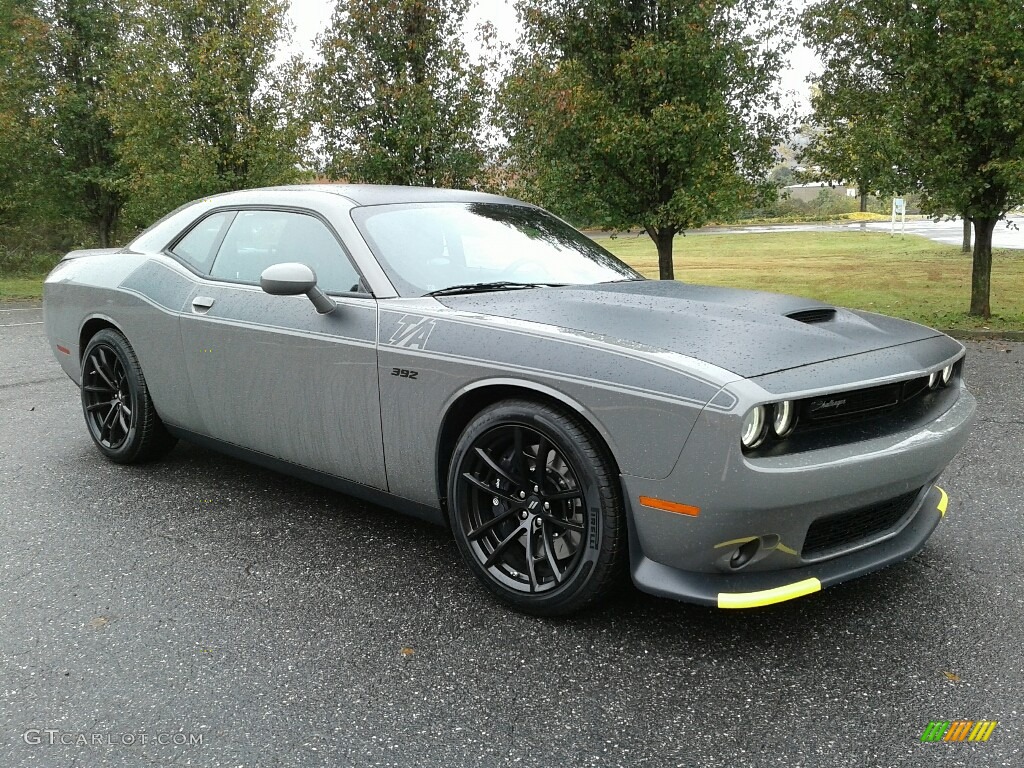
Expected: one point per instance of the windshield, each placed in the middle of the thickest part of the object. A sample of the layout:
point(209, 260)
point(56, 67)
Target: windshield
point(425, 248)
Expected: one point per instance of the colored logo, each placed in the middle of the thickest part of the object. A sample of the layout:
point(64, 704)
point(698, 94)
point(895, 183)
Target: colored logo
point(959, 730)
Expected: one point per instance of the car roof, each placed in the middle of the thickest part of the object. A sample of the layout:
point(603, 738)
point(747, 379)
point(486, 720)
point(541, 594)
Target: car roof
point(356, 195)
point(385, 194)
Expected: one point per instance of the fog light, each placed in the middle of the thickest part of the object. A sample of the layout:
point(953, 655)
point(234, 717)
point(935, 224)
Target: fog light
point(754, 427)
point(933, 380)
point(947, 374)
point(744, 554)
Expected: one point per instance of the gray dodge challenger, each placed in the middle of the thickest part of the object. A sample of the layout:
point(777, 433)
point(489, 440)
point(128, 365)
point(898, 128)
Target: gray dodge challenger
point(475, 361)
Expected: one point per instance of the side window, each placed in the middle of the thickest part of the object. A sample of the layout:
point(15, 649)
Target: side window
point(259, 239)
point(200, 244)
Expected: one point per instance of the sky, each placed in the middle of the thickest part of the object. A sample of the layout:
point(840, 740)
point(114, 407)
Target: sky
point(311, 17)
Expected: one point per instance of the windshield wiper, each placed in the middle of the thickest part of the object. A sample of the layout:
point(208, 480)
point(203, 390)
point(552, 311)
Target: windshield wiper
point(500, 285)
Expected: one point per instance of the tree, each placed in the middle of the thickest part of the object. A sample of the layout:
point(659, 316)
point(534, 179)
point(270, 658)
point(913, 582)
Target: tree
point(950, 74)
point(783, 175)
point(82, 42)
point(201, 106)
point(852, 148)
point(26, 153)
point(397, 99)
point(661, 114)
point(855, 150)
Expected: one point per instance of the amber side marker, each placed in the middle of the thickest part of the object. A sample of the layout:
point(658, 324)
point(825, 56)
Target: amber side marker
point(669, 506)
point(65, 350)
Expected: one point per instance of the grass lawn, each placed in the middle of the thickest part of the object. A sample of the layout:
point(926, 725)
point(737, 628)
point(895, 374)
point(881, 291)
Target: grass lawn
point(21, 288)
point(910, 277)
point(21, 276)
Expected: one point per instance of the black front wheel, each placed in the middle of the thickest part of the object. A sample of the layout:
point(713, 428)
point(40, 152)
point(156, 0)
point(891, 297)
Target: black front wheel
point(536, 509)
point(118, 409)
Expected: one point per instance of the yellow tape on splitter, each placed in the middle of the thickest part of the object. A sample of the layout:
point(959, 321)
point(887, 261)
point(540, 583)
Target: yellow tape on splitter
point(768, 596)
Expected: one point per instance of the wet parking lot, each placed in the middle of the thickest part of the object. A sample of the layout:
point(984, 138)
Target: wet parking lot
point(203, 612)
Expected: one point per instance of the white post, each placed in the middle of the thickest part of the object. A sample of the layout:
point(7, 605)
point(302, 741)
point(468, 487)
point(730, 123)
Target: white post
point(899, 207)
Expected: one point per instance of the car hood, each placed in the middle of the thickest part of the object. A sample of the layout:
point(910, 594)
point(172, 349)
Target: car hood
point(750, 333)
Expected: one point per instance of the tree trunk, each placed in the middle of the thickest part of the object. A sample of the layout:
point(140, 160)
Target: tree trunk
point(981, 275)
point(105, 226)
point(966, 248)
point(863, 202)
point(662, 237)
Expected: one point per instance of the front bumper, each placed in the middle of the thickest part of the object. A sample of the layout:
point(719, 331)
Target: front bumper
point(777, 501)
point(759, 588)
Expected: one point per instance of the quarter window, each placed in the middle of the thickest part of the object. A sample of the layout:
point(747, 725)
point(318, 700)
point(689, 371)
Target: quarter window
point(259, 239)
point(200, 244)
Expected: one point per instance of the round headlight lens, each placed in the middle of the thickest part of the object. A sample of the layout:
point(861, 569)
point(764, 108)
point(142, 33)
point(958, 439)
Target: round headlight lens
point(785, 418)
point(753, 427)
point(933, 380)
point(947, 374)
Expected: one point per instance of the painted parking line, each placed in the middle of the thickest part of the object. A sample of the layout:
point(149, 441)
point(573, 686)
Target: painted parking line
point(15, 325)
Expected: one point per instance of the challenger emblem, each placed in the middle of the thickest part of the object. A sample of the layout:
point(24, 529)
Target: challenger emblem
point(412, 333)
point(827, 405)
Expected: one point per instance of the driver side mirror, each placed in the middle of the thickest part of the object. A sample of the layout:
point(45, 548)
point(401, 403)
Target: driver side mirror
point(291, 279)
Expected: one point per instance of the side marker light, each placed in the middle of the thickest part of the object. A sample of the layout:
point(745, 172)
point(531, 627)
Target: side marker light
point(669, 506)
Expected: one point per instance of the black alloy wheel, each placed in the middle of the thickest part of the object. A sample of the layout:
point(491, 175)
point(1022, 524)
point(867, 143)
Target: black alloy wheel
point(536, 509)
point(107, 398)
point(118, 409)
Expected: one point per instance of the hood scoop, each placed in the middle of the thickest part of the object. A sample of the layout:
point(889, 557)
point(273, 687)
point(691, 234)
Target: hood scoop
point(811, 316)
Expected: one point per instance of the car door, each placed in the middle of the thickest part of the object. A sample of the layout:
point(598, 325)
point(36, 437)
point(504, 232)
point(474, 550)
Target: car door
point(269, 373)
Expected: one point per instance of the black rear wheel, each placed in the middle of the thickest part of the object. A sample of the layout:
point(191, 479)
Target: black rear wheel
point(535, 508)
point(118, 409)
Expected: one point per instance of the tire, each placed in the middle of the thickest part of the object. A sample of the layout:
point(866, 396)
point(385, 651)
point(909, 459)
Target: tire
point(567, 512)
point(118, 409)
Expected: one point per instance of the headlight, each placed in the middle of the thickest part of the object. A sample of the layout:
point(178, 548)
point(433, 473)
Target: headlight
point(933, 380)
point(947, 374)
point(785, 418)
point(754, 427)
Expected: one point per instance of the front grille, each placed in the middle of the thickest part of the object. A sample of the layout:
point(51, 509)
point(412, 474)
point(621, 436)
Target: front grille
point(852, 403)
point(844, 417)
point(859, 404)
point(849, 528)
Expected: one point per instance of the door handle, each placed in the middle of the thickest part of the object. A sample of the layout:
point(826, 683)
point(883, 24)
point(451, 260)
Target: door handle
point(202, 303)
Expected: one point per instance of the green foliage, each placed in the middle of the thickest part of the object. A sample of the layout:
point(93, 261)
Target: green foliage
point(857, 150)
point(59, 150)
point(85, 38)
point(396, 99)
point(201, 107)
point(783, 175)
point(24, 152)
point(658, 114)
point(828, 203)
point(942, 82)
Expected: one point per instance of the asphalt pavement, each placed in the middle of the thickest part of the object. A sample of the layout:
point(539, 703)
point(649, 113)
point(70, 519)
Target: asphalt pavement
point(203, 612)
point(1007, 234)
